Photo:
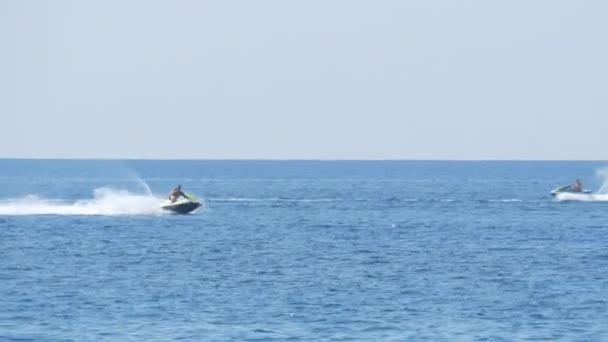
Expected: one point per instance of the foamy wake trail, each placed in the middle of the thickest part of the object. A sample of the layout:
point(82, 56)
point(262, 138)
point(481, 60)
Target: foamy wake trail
point(582, 197)
point(105, 202)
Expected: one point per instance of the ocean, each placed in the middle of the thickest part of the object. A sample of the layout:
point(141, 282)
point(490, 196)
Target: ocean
point(302, 251)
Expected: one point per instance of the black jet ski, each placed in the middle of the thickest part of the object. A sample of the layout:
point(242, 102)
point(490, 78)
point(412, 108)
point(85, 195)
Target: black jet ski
point(183, 206)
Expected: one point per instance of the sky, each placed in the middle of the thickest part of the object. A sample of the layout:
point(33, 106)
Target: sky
point(330, 79)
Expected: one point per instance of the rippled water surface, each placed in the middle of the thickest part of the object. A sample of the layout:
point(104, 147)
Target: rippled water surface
point(301, 251)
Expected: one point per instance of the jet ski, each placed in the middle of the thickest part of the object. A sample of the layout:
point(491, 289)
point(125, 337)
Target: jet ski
point(568, 189)
point(182, 206)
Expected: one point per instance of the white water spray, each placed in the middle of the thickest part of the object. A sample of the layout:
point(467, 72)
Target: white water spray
point(603, 175)
point(140, 182)
point(106, 201)
point(565, 196)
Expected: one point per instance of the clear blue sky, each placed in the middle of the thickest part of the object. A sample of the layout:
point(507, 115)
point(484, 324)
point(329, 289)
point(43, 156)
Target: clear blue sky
point(341, 79)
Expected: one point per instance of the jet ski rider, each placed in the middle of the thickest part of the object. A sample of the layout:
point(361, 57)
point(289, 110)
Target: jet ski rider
point(577, 187)
point(176, 194)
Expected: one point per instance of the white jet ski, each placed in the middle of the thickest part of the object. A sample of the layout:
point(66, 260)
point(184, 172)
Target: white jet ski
point(181, 206)
point(567, 189)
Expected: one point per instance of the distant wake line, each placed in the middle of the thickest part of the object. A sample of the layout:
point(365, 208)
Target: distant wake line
point(105, 202)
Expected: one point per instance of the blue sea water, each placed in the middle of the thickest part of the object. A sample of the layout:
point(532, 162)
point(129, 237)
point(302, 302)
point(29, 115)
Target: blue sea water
point(302, 251)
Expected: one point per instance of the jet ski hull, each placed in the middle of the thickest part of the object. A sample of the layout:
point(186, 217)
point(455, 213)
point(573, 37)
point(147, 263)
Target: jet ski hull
point(568, 190)
point(181, 207)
